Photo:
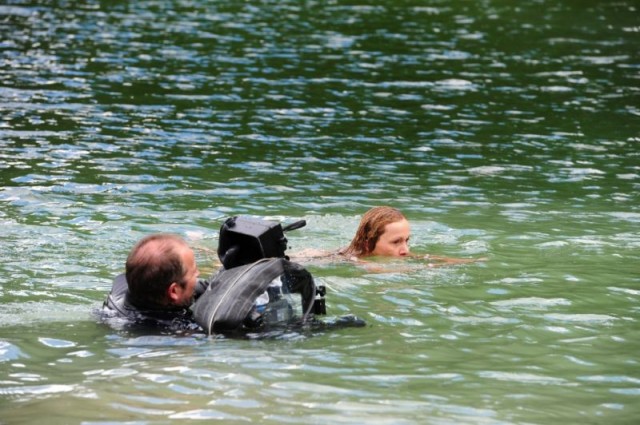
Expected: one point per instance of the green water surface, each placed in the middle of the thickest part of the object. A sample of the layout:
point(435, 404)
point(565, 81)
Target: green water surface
point(502, 129)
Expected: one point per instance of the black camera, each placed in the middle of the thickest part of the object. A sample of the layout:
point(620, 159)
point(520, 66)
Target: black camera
point(245, 240)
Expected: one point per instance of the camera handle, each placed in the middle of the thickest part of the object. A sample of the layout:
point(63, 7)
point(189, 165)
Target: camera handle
point(295, 225)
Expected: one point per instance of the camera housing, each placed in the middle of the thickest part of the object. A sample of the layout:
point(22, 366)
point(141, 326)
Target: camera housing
point(245, 240)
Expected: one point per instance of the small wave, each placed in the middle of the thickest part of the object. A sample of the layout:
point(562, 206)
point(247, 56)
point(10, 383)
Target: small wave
point(628, 291)
point(37, 389)
point(524, 378)
point(531, 303)
point(10, 352)
point(581, 318)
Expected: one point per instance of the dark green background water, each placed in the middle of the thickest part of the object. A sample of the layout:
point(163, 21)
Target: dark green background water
point(503, 129)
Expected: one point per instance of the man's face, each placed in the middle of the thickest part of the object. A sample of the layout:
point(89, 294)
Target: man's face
point(394, 241)
point(185, 294)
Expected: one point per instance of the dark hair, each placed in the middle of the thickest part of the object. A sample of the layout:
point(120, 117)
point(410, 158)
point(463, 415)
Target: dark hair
point(153, 264)
point(372, 226)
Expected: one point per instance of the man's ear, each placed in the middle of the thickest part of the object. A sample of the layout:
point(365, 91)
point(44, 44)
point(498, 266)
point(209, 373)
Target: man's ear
point(173, 292)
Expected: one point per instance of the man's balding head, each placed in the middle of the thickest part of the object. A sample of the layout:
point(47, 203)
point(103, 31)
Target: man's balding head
point(154, 263)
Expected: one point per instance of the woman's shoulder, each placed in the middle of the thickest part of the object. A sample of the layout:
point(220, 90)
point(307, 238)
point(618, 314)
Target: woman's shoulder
point(313, 255)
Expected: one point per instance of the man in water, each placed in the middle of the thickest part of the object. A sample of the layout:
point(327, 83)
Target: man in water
point(159, 285)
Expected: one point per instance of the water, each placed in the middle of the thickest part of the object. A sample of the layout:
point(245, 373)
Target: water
point(505, 130)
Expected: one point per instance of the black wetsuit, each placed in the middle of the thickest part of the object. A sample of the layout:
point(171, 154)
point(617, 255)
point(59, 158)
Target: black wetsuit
point(118, 306)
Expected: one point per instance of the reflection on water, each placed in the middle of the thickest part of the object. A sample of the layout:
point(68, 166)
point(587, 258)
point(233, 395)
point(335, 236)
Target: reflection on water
point(501, 130)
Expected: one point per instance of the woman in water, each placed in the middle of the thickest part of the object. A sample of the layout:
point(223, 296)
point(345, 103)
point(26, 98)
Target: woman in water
point(383, 232)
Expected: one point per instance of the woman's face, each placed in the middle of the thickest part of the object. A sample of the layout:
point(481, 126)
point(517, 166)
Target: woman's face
point(394, 241)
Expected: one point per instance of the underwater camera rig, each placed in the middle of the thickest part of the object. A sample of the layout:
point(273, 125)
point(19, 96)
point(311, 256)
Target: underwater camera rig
point(245, 240)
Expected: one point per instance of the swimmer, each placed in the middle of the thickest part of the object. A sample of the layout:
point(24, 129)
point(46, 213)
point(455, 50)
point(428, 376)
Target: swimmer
point(383, 232)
